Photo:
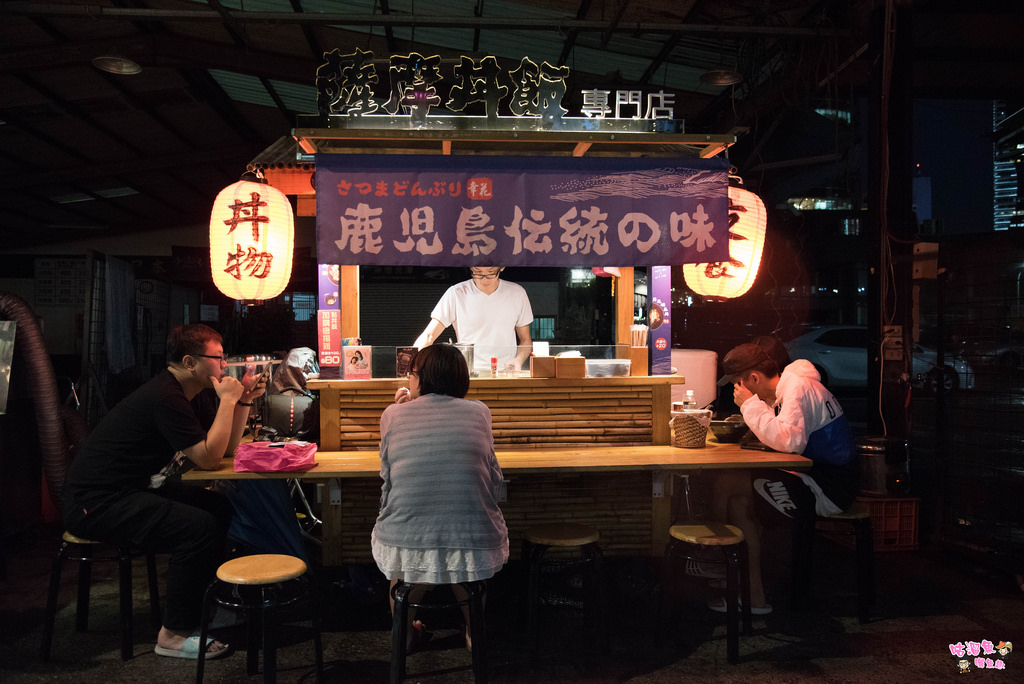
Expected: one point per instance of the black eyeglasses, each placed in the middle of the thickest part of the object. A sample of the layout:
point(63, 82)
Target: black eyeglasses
point(414, 372)
point(221, 358)
point(484, 276)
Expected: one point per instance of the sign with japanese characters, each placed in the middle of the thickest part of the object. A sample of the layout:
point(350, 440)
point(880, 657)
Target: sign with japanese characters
point(520, 211)
point(346, 85)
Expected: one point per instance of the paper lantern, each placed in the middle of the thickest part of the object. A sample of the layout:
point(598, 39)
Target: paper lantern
point(252, 237)
point(732, 278)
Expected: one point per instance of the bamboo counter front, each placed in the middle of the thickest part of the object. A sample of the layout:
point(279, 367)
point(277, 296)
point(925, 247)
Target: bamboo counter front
point(525, 412)
point(589, 450)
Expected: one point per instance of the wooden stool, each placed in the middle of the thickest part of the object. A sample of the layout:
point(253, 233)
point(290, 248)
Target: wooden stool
point(859, 518)
point(81, 550)
point(268, 573)
point(730, 541)
point(536, 542)
point(476, 591)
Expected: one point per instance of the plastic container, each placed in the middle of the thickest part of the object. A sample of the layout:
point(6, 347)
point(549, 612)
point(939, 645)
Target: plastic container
point(893, 524)
point(608, 368)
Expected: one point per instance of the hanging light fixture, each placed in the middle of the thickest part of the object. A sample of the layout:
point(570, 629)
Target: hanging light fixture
point(252, 238)
point(721, 77)
point(725, 74)
point(733, 278)
point(117, 65)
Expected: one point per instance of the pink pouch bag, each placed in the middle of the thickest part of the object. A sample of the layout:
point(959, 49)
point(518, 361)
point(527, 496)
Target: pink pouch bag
point(272, 457)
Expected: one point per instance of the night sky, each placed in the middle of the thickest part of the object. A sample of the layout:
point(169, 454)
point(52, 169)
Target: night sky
point(953, 147)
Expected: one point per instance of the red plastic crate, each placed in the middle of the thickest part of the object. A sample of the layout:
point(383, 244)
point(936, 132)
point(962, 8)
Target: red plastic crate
point(893, 523)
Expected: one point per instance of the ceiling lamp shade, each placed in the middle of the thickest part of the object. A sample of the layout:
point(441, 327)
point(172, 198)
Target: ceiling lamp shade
point(117, 65)
point(732, 278)
point(252, 238)
point(721, 77)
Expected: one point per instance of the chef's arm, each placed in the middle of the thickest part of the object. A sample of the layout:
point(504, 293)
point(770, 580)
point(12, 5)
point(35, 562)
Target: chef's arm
point(430, 333)
point(525, 345)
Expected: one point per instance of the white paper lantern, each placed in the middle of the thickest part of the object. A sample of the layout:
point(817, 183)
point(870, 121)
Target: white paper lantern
point(732, 278)
point(252, 238)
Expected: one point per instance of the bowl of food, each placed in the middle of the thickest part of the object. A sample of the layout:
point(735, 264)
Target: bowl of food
point(730, 430)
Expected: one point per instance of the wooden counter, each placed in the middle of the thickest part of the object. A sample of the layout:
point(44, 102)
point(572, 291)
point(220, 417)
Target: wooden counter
point(714, 456)
point(525, 412)
point(625, 492)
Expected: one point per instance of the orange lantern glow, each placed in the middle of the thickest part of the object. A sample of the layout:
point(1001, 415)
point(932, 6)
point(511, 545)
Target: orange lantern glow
point(732, 278)
point(252, 237)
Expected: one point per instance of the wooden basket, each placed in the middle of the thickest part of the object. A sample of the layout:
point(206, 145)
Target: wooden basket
point(690, 429)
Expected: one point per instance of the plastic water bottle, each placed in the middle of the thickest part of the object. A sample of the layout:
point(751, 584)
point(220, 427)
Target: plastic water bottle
point(690, 402)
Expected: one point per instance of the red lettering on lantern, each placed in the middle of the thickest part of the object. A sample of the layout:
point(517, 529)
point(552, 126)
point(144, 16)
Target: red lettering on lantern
point(253, 263)
point(245, 212)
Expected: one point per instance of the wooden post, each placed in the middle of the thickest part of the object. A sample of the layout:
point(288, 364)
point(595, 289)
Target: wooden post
point(624, 297)
point(348, 293)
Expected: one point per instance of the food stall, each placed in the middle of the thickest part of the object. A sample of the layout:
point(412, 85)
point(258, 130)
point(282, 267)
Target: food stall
point(612, 186)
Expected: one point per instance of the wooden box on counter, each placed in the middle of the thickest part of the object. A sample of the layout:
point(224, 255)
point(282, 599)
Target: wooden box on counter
point(542, 367)
point(638, 365)
point(570, 367)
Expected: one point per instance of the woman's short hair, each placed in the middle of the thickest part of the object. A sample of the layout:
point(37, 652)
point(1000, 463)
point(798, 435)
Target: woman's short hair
point(442, 369)
point(189, 339)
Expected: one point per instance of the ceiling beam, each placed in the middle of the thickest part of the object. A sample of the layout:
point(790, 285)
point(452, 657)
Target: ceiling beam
point(570, 40)
point(342, 19)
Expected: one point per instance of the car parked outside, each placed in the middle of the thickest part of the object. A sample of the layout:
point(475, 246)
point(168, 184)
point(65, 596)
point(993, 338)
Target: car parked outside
point(840, 353)
point(999, 350)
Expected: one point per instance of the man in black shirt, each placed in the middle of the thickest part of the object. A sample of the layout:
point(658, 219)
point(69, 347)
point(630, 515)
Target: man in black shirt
point(124, 485)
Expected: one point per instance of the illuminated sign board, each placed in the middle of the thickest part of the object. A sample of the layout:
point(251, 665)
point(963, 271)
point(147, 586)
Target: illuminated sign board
point(345, 89)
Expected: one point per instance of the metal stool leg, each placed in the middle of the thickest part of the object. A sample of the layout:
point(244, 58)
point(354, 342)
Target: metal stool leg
point(51, 601)
point(204, 622)
point(865, 550)
point(84, 585)
point(268, 601)
point(596, 591)
point(399, 627)
point(253, 636)
point(124, 572)
point(478, 629)
point(534, 555)
point(318, 645)
point(154, 591)
point(803, 559)
point(733, 583)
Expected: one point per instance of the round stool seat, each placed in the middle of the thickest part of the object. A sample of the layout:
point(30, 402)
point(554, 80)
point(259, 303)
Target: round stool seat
point(266, 568)
point(562, 534)
point(72, 539)
point(707, 534)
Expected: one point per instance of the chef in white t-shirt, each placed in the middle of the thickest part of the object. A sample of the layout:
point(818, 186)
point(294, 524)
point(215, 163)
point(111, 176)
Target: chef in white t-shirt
point(492, 314)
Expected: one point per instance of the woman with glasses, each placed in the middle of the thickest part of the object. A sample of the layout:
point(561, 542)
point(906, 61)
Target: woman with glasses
point(439, 520)
point(492, 314)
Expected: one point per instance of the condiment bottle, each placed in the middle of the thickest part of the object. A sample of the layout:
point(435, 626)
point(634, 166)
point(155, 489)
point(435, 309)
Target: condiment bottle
point(494, 366)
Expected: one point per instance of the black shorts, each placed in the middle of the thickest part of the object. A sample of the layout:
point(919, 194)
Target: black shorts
point(780, 497)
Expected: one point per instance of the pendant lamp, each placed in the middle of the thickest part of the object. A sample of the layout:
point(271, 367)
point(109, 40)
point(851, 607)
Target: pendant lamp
point(733, 278)
point(252, 237)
